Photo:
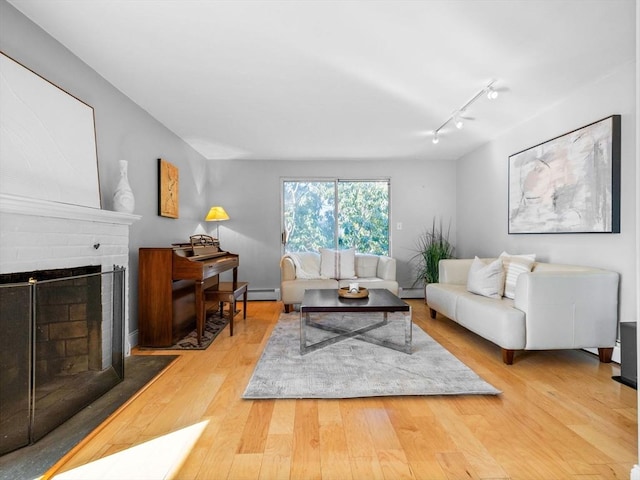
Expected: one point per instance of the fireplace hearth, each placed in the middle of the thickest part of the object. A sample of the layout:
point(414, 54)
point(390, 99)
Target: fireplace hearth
point(62, 347)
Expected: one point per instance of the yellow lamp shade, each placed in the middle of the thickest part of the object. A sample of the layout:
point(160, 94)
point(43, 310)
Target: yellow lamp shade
point(216, 214)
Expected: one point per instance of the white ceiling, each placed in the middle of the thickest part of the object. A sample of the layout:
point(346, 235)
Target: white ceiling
point(341, 79)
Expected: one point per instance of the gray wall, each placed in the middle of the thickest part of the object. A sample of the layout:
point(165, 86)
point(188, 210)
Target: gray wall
point(250, 193)
point(250, 190)
point(123, 131)
point(482, 188)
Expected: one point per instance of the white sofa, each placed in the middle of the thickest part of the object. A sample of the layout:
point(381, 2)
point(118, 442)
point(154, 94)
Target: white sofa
point(555, 307)
point(371, 271)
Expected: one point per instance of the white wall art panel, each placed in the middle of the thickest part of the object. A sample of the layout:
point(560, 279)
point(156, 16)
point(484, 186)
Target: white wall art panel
point(47, 140)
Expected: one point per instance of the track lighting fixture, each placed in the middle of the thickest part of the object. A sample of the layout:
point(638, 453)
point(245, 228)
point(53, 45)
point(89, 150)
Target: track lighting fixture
point(456, 117)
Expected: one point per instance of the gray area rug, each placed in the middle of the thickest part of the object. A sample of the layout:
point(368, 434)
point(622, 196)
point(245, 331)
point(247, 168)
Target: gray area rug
point(354, 368)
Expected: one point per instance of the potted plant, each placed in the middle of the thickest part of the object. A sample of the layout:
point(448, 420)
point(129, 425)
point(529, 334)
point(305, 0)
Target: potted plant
point(432, 246)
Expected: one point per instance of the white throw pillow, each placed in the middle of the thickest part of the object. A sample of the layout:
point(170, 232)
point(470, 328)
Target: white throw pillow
point(514, 265)
point(486, 280)
point(338, 264)
point(307, 264)
point(366, 266)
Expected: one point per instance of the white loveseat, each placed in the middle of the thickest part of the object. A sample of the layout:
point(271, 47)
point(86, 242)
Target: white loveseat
point(302, 271)
point(555, 307)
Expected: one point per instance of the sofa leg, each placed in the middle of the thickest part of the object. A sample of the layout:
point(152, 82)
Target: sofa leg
point(605, 354)
point(432, 313)
point(287, 308)
point(507, 356)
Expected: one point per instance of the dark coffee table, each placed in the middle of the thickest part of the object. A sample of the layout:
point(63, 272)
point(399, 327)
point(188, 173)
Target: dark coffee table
point(327, 301)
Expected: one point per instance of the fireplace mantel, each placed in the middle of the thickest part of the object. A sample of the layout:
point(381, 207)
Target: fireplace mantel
point(43, 208)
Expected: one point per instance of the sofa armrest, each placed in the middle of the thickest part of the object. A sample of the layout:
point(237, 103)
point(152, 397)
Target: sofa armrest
point(386, 268)
point(287, 269)
point(454, 270)
point(569, 309)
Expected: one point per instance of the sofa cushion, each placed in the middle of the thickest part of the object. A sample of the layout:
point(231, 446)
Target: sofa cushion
point(366, 265)
point(514, 265)
point(386, 268)
point(307, 264)
point(486, 279)
point(292, 291)
point(494, 319)
point(443, 297)
point(337, 264)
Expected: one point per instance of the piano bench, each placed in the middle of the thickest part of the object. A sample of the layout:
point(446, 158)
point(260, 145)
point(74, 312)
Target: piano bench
point(225, 293)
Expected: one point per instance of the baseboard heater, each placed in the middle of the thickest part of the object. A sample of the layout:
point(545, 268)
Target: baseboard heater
point(411, 292)
point(266, 294)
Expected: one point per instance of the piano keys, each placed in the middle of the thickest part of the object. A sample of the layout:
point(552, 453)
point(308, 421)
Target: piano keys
point(171, 282)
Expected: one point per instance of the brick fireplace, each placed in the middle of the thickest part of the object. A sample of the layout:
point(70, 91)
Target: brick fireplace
point(62, 324)
point(42, 235)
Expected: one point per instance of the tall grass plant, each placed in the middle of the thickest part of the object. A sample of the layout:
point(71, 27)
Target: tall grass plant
point(432, 246)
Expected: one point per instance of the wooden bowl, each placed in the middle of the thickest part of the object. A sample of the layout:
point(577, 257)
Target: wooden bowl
point(344, 293)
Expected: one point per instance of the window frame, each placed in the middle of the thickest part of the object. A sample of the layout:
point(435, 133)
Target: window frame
point(335, 181)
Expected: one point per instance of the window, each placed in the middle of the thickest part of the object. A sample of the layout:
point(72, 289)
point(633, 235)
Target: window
point(336, 214)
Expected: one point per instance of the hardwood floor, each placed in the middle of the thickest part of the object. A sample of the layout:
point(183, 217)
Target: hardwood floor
point(560, 416)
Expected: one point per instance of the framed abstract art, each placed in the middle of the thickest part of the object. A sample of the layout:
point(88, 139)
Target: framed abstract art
point(168, 189)
point(569, 184)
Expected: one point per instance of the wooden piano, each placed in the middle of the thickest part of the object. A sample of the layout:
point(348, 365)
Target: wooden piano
point(171, 282)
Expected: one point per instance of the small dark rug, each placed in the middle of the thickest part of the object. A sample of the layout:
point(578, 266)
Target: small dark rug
point(32, 461)
point(212, 327)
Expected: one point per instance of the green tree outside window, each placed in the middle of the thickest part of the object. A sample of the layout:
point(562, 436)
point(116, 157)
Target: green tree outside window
point(336, 214)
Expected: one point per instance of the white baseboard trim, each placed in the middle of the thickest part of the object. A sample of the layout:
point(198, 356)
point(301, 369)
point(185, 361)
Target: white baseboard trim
point(635, 473)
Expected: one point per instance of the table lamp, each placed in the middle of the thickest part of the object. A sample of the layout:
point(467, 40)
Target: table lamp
point(216, 214)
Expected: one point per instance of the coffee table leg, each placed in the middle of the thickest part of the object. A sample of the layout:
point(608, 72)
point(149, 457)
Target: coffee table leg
point(408, 331)
point(304, 319)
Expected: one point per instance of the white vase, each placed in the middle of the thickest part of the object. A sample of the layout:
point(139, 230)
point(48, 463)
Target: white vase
point(123, 199)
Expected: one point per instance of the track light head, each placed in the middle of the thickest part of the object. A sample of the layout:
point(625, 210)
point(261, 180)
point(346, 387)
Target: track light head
point(456, 117)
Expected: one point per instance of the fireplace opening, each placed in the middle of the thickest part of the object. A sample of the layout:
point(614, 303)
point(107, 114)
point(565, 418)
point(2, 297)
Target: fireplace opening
point(62, 347)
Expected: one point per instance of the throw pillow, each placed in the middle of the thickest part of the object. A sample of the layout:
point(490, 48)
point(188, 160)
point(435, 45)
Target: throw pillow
point(366, 266)
point(486, 280)
point(339, 264)
point(514, 265)
point(307, 264)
